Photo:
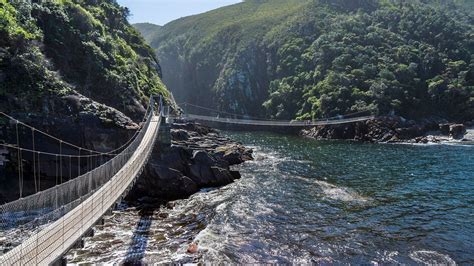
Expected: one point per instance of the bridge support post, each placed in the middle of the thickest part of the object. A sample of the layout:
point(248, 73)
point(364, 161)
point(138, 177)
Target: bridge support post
point(164, 135)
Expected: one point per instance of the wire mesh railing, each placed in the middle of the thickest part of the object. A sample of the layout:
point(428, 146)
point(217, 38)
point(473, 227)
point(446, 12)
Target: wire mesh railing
point(44, 204)
point(50, 243)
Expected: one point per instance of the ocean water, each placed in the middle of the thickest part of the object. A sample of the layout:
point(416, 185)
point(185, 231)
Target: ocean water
point(308, 201)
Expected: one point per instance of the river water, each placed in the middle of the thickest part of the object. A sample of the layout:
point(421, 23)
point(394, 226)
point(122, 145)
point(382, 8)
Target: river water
point(308, 201)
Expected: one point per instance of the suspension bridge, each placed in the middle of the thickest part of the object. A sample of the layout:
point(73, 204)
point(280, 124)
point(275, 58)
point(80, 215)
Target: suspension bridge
point(76, 205)
point(61, 215)
point(201, 114)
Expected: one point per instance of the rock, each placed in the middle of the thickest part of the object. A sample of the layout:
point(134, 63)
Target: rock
point(163, 215)
point(233, 154)
point(71, 117)
point(445, 129)
point(457, 131)
point(201, 174)
point(386, 129)
point(394, 139)
point(198, 157)
point(388, 136)
point(163, 182)
point(410, 132)
point(221, 176)
point(381, 129)
point(222, 164)
point(235, 175)
point(421, 140)
point(203, 157)
point(200, 129)
point(179, 134)
point(188, 186)
point(193, 248)
point(176, 157)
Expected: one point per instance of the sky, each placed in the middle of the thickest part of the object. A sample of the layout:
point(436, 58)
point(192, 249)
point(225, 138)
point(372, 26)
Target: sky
point(161, 12)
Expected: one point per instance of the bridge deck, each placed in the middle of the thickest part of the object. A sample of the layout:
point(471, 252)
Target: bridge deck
point(270, 123)
point(52, 242)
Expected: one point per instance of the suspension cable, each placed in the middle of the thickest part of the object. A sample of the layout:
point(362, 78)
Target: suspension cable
point(79, 164)
point(70, 167)
point(34, 159)
point(110, 153)
point(61, 161)
point(75, 146)
point(221, 112)
point(57, 174)
point(93, 157)
point(39, 171)
point(261, 119)
point(11, 146)
point(19, 160)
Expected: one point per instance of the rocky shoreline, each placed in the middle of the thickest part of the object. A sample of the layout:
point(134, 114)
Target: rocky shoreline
point(392, 129)
point(198, 157)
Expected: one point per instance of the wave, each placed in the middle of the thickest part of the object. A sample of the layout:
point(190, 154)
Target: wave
point(456, 143)
point(340, 193)
point(429, 257)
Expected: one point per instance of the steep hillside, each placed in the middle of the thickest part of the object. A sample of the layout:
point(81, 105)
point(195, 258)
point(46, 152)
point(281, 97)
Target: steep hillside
point(318, 58)
point(54, 49)
point(75, 69)
point(148, 30)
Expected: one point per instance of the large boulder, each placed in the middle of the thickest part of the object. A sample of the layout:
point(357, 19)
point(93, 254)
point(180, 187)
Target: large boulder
point(457, 131)
point(410, 132)
point(201, 156)
point(222, 176)
point(233, 154)
point(444, 129)
point(179, 134)
point(175, 157)
point(164, 182)
point(201, 174)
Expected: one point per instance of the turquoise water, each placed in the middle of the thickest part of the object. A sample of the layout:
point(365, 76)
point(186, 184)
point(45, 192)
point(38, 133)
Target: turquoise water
point(307, 201)
point(324, 201)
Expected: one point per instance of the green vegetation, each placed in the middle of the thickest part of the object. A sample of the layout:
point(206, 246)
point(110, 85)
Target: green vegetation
point(53, 48)
point(312, 59)
point(148, 30)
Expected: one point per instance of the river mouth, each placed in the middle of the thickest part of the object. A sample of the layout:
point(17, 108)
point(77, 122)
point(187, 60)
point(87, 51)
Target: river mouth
point(304, 201)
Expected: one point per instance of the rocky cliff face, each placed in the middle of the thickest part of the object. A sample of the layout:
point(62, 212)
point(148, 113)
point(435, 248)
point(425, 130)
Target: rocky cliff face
point(236, 84)
point(73, 118)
